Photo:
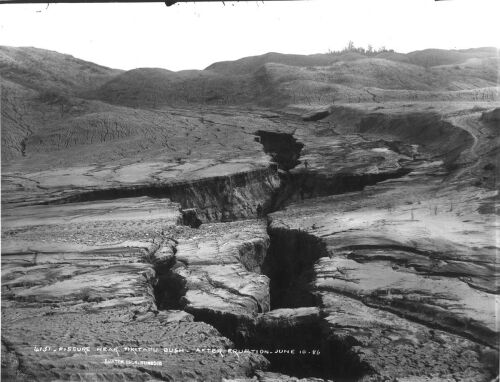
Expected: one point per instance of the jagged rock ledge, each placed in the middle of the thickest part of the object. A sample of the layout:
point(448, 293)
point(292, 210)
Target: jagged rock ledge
point(240, 195)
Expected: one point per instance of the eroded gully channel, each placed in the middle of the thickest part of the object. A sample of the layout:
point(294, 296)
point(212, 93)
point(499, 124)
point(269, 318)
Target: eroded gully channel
point(288, 263)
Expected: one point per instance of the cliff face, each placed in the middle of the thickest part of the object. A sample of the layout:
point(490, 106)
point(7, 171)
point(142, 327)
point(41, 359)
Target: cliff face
point(237, 196)
point(222, 198)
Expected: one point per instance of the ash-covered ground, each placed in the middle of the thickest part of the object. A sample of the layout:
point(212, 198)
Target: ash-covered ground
point(275, 218)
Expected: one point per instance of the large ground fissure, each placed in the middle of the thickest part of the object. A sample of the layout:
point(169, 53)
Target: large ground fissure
point(294, 322)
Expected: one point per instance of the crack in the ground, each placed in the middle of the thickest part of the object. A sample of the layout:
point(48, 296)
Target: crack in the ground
point(237, 196)
point(289, 264)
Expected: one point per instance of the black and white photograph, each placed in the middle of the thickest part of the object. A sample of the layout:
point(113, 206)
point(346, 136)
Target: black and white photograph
point(250, 191)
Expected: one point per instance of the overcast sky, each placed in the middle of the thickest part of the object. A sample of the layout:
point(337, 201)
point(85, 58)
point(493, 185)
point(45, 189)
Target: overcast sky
point(192, 36)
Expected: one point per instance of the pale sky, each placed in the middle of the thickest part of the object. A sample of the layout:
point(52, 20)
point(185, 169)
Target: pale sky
point(192, 36)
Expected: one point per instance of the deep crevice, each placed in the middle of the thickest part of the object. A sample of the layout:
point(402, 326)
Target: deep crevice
point(169, 287)
point(282, 147)
point(301, 185)
point(297, 185)
point(244, 195)
point(289, 264)
point(294, 324)
point(237, 196)
point(301, 348)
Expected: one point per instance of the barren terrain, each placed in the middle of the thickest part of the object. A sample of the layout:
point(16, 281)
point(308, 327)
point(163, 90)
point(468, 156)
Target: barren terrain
point(275, 218)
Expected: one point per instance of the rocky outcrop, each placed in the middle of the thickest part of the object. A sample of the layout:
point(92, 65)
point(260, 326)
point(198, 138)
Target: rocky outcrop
point(224, 198)
point(217, 276)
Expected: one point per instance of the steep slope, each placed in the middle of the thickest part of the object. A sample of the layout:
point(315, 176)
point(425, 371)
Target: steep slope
point(39, 88)
point(44, 70)
point(25, 111)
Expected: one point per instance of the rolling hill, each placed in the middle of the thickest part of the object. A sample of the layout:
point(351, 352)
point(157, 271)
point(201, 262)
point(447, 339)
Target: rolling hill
point(275, 79)
point(45, 70)
point(53, 101)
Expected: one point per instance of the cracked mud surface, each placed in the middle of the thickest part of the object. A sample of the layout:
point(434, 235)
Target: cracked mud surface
point(363, 236)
